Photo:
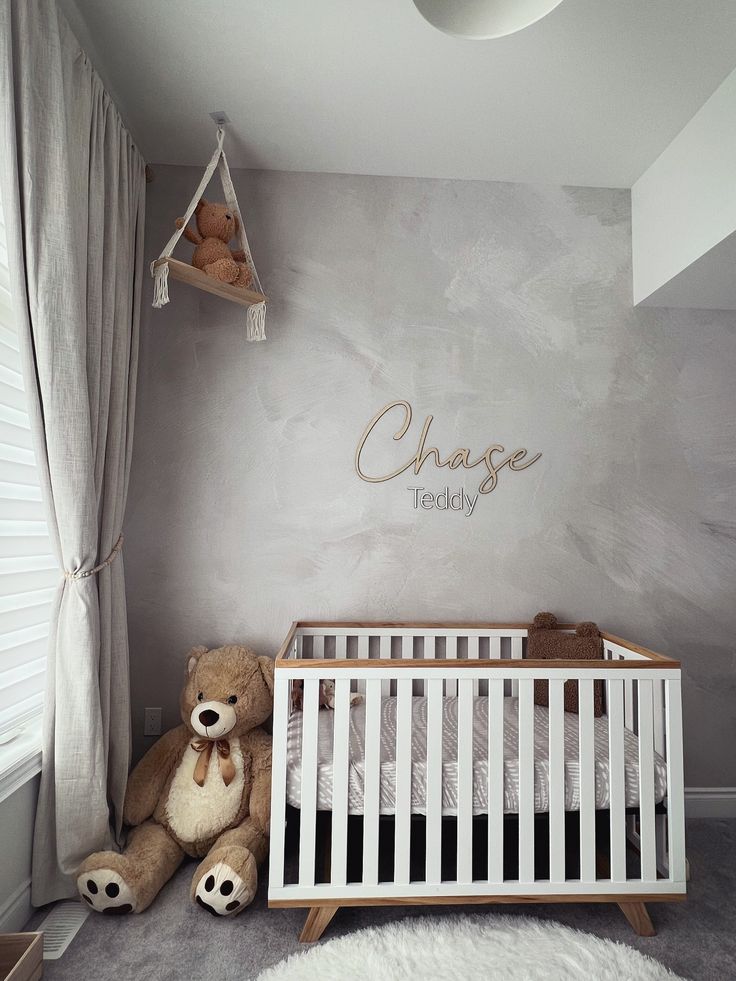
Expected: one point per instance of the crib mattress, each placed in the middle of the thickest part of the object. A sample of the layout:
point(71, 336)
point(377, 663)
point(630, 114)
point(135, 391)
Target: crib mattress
point(449, 765)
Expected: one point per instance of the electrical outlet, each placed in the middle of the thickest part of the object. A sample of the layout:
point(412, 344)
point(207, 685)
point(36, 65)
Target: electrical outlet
point(152, 722)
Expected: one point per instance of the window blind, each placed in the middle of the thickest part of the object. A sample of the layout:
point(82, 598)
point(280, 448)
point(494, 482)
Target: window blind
point(29, 572)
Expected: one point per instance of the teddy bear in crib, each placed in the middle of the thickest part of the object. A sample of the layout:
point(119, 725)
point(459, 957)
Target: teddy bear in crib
point(216, 226)
point(202, 790)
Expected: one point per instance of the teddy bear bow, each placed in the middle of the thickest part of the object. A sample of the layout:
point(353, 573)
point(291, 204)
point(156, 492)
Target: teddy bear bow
point(204, 748)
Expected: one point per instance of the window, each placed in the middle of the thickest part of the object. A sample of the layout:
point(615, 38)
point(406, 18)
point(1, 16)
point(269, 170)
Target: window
point(29, 571)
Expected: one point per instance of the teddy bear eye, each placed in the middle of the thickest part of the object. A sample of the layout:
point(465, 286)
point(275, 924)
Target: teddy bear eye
point(200, 697)
point(232, 700)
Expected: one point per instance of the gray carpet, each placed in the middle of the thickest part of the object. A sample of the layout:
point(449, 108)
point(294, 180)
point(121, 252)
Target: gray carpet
point(176, 941)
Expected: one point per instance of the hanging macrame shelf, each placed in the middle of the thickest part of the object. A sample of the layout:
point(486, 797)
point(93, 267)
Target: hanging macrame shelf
point(186, 273)
point(166, 266)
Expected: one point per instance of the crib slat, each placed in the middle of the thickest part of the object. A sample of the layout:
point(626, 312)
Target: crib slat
point(516, 654)
point(341, 647)
point(308, 817)
point(675, 782)
point(363, 652)
point(658, 694)
point(340, 771)
point(587, 780)
point(495, 780)
point(451, 653)
point(318, 647)
point(557, 781)
point(526, 781)
point(465, 781)
point(474, 654)
point(403, 780)
point(647, 837)
point(616, 777)
point(494, 648)
point(628, 702)
point(434, 780)
point(281, 699)
point(385, 654)
point(371, 781)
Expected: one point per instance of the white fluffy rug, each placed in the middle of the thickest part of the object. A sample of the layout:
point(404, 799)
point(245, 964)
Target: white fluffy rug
point(469, 948)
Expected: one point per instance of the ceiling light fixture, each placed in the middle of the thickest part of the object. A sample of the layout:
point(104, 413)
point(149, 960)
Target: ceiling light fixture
point(482, 20)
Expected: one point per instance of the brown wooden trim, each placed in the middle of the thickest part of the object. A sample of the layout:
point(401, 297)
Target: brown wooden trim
point(635, 648)
point(282, 652)
point(666, 897)
point(476, 625)
point(189, 274)
point(326, 664)
point(428, 624)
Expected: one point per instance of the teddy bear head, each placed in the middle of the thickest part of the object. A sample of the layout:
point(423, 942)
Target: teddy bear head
point(228, 691)
point(216, 220)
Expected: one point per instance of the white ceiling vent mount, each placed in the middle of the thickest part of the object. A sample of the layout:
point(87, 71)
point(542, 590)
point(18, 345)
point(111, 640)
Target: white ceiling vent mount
point(482, 20)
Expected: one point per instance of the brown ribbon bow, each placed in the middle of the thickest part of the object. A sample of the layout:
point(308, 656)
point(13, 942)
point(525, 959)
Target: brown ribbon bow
point(204, 748)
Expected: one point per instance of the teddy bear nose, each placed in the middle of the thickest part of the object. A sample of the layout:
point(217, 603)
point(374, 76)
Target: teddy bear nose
point(229, 217)
point(208, 717)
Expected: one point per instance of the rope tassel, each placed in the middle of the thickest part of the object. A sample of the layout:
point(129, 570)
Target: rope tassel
point(256, 322)
point(160, 284)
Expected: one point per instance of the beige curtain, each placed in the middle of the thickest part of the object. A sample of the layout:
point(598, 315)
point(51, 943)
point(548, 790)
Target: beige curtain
point(73, 193)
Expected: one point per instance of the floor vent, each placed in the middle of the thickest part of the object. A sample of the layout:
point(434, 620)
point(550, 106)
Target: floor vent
point(61, 927)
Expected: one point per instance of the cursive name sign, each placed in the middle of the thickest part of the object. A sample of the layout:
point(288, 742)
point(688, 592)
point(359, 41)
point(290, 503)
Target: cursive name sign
point(490, 460)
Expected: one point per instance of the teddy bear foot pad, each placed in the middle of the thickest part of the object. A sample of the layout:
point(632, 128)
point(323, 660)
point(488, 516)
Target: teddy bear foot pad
point(222, 892)
point(106, 892)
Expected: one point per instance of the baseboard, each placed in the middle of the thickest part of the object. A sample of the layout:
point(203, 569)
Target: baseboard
point(16, 911)
point(710, 802)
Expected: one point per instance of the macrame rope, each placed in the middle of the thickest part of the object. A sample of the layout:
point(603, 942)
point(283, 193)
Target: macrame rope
point(256, 314)
point(98, 568)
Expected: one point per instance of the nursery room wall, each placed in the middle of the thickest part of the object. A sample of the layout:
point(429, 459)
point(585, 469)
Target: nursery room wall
point(505, 312)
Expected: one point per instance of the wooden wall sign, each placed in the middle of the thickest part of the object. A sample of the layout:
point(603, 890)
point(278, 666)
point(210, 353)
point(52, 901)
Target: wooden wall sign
point(493, 460)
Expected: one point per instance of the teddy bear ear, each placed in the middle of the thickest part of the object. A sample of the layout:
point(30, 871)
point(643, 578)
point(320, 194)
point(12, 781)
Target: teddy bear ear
point(266, 665)
point(193, 656)
point(200, 204)
point(545, 621)
point(587, 629)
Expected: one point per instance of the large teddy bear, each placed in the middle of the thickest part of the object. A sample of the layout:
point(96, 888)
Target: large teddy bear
point(202, 790)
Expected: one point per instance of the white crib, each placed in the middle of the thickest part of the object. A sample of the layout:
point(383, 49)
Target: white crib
point(447, 784)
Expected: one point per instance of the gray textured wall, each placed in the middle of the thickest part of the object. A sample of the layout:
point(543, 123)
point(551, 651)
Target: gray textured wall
point(504, 310)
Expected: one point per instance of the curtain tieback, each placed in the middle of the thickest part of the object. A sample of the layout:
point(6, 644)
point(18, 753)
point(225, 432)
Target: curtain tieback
point(204, 748)
point(98, 568)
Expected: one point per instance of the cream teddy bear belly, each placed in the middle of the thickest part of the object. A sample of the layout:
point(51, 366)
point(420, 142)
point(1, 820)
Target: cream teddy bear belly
point(198, 813)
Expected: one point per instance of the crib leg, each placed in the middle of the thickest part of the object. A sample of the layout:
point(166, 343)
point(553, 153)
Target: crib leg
point(318, 919)
point(638, 917)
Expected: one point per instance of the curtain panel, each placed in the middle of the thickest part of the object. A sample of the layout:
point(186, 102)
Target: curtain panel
point(73, 187)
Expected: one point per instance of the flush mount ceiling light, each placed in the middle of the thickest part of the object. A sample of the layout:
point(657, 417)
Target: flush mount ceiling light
point(482, 20)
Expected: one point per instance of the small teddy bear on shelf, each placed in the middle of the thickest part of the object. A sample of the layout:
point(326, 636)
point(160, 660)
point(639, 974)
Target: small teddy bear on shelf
point(216, 226)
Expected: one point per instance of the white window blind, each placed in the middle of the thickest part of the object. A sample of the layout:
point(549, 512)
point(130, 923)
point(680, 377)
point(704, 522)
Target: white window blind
point(29, 572)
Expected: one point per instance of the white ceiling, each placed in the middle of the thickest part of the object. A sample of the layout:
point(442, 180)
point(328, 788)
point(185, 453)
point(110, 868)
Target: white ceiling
point(589, 95)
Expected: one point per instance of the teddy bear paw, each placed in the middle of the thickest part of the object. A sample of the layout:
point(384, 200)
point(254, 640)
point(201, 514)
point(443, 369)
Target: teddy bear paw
point(106, 891)
point(223, 892)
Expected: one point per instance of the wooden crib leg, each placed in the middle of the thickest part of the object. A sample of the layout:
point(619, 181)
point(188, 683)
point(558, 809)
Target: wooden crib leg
point(638, 917)
point(318, 919)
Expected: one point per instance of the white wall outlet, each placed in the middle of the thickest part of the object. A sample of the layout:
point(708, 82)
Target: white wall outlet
point(152, 722)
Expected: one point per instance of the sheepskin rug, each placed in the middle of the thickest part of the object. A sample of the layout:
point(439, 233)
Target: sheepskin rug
point(469, 948)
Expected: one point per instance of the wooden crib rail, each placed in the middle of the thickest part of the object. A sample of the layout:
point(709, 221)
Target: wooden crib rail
point(451, 633)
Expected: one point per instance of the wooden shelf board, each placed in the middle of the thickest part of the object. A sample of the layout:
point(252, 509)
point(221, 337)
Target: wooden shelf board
point(187, 273)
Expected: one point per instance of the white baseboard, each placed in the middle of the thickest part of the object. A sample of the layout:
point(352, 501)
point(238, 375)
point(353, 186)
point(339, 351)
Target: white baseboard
point(16, 911)
point(710, 802)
